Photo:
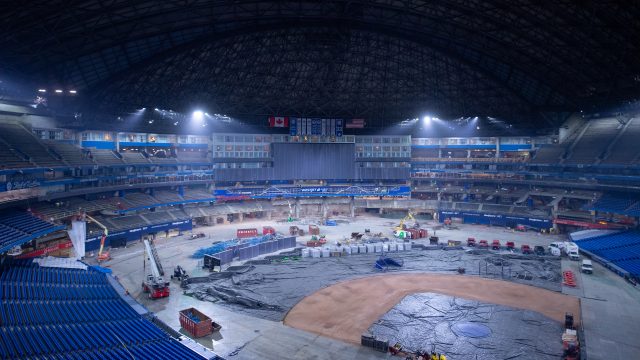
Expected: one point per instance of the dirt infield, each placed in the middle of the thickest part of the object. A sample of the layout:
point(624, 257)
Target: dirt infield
point(345, 310)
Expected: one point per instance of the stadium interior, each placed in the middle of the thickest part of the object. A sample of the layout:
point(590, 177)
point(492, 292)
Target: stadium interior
point(320, 180)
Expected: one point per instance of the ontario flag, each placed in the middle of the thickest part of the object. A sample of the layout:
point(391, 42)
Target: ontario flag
point(278, 121)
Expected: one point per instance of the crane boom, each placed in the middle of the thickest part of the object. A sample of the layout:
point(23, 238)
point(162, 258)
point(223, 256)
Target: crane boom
point(102, 238)
point(154, 261)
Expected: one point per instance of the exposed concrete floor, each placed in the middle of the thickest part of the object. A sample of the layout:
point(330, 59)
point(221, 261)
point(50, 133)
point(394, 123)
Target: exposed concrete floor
point(239, 329)
point(345, 310)
point(610, 311)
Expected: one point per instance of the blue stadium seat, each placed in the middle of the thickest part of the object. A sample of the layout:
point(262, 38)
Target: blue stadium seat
point(73, 314)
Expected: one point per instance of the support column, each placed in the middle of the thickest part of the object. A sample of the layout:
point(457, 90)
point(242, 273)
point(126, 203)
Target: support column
point(241, 217)
point(297, 209)
point(352, 207)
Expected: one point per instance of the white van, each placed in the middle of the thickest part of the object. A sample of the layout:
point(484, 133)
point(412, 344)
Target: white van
point(587, 267)
point(574, 254)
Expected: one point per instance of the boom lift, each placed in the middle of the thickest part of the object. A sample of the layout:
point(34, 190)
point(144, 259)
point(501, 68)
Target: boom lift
point(154, 283)
point(101, 256)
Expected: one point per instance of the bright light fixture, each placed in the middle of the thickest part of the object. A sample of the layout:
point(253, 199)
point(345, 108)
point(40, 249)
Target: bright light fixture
point(427, 119)
point(58, 91)
point(198, 115)
point(72, 92)
point(42, 90)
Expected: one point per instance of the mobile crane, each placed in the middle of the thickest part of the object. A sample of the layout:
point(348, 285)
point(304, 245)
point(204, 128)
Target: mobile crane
point(154, 282)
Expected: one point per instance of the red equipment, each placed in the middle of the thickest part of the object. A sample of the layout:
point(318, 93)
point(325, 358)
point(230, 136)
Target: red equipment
point(495, 245)
point(511, 245)
point(484, 244)
point(521, 228)
point(268, 230)
point(196, 323)
point(246, 233)
point(526, 249)
point(471, 241)
point(154, 283)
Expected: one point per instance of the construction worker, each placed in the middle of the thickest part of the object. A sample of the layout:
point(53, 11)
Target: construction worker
point(434, 356)
point(442, 357)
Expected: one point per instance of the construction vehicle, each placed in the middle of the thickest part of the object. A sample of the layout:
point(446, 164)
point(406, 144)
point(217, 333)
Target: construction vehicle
point(471, 242)
point(102, 256)
point(526, 249)
point(511, 245)
point(402, 225)
point(484, 244)
point(154, 283)
point(538, 250)
point(495, 245)
point(179, 273)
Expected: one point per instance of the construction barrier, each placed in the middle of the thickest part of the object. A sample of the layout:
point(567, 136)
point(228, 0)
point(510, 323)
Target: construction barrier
point(569, 279)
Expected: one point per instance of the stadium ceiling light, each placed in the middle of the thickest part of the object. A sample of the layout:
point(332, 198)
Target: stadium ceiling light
point(477, 127)
point(156, 109)
point(42, 90)
point(198, 115)
point(58, 91)
point(72, 92)
point(427, 119)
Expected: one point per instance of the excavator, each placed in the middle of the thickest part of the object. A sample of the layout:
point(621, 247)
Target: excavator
point(102, 256)
point(154, 282)
point(409, 216)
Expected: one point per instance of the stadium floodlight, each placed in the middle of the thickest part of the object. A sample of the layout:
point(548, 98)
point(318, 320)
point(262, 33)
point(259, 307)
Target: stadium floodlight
point(427, 119)
point(42, 90)
point(58, 91)
point(73, 92)
point(198, 115)
point(477, 127)
point(156, 109)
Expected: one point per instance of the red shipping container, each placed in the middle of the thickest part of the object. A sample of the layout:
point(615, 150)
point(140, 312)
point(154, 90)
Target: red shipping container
point(246, 233)
point(196, 323)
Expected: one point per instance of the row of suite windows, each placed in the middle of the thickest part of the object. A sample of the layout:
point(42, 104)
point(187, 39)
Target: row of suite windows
point(383, 139)
point(241, 154)
point(368, 164)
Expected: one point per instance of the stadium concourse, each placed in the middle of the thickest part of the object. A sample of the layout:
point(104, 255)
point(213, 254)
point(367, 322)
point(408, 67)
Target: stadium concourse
point(319, 180)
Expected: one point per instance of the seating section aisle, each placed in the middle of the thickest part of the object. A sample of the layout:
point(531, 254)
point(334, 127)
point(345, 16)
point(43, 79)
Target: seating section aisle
point(621, 249)
point(18, 227)
point(105, 157)
point(63, 313)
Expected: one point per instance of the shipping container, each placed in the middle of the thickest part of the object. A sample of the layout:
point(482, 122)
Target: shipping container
point(196, 323)
point(246, 233)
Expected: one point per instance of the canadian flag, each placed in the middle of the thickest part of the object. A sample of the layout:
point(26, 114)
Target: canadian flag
point(278, 121)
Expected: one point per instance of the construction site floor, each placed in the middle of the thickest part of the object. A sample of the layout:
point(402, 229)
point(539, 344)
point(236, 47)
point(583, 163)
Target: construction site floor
point(245, 334)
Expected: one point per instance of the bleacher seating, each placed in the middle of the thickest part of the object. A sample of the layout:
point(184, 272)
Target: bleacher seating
point(196, 194)
point(72, 154)
point(158, 217)
point(136, 199)
point(105, 157)
point(9, 159)
point(548, 154)
point(134, 158)
point(64, 313)
point(163, 160)
point(125, 222)
point(18, 137)
point(623, 204)
point(621, 249)
point(167, 197)
point(594, 141)
point(625, 149)
point(16, 226)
